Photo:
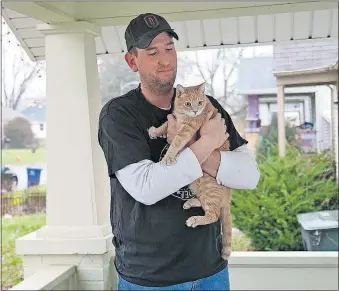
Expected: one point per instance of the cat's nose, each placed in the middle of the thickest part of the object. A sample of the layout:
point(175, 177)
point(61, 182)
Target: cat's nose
point(195, 111)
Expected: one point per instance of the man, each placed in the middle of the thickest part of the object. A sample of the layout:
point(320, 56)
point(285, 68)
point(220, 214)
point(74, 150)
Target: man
point(154, 248)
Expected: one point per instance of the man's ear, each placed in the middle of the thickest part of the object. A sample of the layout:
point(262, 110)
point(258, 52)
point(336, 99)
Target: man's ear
point(131, 61)
point(180, 90)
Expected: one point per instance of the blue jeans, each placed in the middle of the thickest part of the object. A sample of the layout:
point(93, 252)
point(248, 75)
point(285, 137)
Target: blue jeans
point(219, 281)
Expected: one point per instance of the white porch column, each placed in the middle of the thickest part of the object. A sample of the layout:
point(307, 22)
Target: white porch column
point(334, 114)
point(78, 230)
point(281, 120)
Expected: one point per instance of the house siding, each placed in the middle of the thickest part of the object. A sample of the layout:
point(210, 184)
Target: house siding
point(306, 55)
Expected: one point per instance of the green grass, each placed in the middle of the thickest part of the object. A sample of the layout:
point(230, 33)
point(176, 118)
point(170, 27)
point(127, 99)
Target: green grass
point(13, 228)
point(26, 156)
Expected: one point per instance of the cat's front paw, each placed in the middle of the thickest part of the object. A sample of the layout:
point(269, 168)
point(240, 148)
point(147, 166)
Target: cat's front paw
point(226, 253)
point(168, 160)
point(152, 132)
point(194, 202)
point(192, 222)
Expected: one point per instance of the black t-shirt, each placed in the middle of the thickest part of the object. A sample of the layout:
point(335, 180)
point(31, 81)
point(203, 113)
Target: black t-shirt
point(153, 245)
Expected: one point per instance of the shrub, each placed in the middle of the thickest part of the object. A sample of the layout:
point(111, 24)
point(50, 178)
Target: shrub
point(287, 186)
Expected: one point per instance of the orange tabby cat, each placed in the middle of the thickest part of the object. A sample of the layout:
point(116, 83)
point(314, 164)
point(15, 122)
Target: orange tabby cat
point(191, 106)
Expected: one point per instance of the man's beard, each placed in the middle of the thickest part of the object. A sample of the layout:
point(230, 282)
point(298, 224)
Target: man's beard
point(157, 85)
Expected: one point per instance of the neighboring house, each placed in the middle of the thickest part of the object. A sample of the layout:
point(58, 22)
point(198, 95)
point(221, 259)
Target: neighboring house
point(302, 104)
point(326, 135)
point(37, 116)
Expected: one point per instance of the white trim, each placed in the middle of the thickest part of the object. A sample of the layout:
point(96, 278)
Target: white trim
point(30, 244)
point(301, 258)
point(287, 98)
point(49, 279)
point(52, 9)
point(17, 35)
point(70, 27)
point(179, 14)
point(273, 91)
point(316, 70)
point(39, 11)
point(192, 12)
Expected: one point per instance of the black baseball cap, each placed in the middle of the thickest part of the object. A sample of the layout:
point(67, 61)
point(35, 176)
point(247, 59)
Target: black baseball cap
point(142, 29)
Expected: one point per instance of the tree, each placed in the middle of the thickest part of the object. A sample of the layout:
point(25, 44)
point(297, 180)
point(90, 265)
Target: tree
point(116, 78)
point(19, 132)
point(17, 70)
point(218, 68)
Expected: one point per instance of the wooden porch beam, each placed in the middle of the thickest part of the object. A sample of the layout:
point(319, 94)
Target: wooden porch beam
point(307, 79)
point(281, 120)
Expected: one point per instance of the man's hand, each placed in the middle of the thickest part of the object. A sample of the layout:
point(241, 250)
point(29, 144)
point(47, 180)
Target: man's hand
point(173, 129)
point(212, 136)
point(213, 131)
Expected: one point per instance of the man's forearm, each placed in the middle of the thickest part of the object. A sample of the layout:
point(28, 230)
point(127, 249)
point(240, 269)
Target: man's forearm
point(209, 165)
point(212, 163)
point(202, 149)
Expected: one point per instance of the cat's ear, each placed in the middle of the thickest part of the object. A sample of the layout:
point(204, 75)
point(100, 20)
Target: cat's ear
point(201, 88)
point(180, 90)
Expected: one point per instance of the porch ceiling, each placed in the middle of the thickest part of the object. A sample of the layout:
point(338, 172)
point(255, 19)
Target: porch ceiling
point(198, 24)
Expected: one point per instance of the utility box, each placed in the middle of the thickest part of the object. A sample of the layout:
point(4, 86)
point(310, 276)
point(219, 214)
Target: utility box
point(319, 230)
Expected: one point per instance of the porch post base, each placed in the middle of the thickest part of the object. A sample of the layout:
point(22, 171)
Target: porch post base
point(92, 257)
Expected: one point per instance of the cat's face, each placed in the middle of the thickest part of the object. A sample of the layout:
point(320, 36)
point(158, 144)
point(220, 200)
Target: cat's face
point(190, 101)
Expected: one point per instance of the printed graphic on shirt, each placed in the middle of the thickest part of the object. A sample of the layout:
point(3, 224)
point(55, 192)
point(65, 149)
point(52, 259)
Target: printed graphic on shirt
point(184, 193)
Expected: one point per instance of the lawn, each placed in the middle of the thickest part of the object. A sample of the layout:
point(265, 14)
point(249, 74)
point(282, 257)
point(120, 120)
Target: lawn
point(25, 156)
point(13, 228)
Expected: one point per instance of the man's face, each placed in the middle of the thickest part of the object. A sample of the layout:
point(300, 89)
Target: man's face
point(157, 64)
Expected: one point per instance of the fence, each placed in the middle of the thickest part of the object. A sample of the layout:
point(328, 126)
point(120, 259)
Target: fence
point(23, 203)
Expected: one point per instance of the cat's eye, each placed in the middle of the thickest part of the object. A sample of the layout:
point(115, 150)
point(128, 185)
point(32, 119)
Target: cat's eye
point(188, 104)
point(200, 103)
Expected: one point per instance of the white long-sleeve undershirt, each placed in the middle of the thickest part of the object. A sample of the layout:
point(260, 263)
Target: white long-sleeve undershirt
point(149, 182)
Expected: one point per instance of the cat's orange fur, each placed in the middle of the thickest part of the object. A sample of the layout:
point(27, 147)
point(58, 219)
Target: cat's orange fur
point(191, 106)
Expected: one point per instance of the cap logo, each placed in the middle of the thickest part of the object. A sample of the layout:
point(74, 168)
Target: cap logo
point(151, 21)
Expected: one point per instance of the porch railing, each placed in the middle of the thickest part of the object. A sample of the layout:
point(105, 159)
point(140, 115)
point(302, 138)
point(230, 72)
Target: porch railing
point(248, 271)
point(51, 278)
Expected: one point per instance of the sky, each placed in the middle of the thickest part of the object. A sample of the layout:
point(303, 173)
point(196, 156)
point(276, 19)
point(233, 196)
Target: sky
point(12, 54)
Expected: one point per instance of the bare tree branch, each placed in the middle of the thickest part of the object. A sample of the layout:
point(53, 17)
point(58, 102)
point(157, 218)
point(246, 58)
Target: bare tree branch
point(199, 65)
point(16, 74)
point(235, 64)
point(221, 68)
point(23, 86)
